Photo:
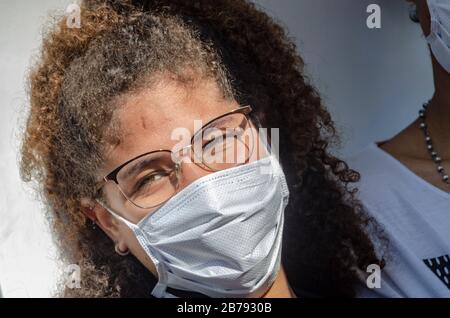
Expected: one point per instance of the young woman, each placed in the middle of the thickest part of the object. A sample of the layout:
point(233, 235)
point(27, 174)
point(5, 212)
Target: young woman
point(405, 185)
point(144, 214)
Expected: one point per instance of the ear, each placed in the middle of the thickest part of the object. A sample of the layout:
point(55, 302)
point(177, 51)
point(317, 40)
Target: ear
point(98, 214)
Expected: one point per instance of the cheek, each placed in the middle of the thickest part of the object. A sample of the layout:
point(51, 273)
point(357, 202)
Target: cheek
point(137, 250)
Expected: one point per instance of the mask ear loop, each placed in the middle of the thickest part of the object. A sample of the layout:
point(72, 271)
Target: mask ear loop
point(267, 142)
point(274, 156)
point(160, 288)
point(271, 149)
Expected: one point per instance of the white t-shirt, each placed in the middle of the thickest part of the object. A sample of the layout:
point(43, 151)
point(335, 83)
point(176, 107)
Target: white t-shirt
point(415, 216)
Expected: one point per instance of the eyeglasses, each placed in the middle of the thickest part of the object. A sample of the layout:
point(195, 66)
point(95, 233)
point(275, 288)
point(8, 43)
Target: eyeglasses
point(152, 178)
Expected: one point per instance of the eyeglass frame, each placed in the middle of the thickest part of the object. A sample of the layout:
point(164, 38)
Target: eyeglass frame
point(112, 176)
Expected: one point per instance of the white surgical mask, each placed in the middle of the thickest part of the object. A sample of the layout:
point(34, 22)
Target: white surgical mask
point(221, 235)
point(439, 38)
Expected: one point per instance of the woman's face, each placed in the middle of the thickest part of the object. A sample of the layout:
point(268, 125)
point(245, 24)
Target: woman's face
point(147, 120)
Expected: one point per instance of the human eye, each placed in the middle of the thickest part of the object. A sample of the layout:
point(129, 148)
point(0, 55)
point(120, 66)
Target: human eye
point(148, 181)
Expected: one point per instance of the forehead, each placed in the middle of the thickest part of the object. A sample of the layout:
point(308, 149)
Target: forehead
point(146, 119)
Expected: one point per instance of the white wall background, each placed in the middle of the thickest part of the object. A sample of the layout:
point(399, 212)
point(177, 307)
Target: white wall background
point(27, 256)
point(373, 81)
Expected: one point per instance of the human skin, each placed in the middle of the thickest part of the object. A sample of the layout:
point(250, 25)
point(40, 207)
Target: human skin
point(147, 118)
point(409, 145)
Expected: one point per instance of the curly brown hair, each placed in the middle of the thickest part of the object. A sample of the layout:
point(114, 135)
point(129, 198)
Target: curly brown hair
point(123, 45)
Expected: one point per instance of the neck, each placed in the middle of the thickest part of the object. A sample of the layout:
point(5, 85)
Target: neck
point(280, 288)
point(441, 98)
point(438, 113)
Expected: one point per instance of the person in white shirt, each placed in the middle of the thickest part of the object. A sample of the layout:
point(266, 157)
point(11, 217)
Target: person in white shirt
point(405, 184)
